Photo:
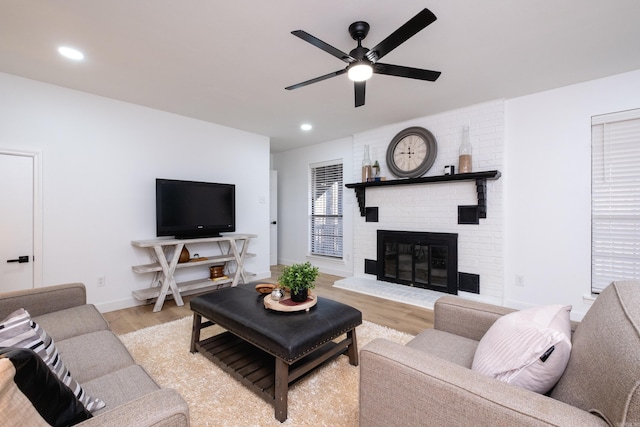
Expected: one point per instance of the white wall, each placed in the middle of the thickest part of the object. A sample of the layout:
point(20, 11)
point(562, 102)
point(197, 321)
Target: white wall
point(546, 188)
point(293, 204)
point(487, 135)
point(548, 182)
point(100, 158)
point(434, 207)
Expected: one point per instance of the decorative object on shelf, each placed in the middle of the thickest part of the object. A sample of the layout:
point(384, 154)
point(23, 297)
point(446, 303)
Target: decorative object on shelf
point(449, 170)
point(376, 170)
point(286, 304)
point(366, 165)
point(216, 271)
point(464, 160)
point(277, 294)
point(412, 152)
point(185, 256)
point(265, 288)
point(299, 278)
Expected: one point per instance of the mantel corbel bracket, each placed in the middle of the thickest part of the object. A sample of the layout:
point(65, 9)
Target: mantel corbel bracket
point(481, 188)
point(360, 196)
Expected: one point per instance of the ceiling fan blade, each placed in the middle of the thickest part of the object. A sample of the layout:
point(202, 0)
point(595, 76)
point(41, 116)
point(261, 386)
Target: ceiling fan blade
point(402, 34)
point(324, 46)
point(317, 79)
point(359, 88)
point(400, 71)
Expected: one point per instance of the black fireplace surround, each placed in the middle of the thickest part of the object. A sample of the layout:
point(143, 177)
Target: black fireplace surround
point(420, 259)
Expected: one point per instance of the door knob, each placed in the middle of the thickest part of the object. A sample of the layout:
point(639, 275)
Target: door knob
point(21, 259)
point(273, 223)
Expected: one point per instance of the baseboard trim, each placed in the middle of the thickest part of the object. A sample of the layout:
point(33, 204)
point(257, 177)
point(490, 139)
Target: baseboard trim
point(105, 307)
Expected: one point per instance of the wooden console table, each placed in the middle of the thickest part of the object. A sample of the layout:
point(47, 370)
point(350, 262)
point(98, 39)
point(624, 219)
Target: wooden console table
point(232, 248)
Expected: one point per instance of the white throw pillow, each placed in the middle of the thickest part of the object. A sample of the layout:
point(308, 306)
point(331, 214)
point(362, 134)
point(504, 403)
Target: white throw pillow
point(528, 348)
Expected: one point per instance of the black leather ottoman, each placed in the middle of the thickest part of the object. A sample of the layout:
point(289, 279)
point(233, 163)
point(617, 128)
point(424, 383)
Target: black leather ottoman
point(267, 350)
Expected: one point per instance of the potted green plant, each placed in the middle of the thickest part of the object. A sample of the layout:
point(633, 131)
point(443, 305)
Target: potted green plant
point(299, 278)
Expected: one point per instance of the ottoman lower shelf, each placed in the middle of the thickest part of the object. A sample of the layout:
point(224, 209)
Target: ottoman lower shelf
point(256, 368)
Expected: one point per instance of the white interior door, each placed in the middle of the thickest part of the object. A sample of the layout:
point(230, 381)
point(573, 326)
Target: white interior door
point(273, 217)
point(16, 222)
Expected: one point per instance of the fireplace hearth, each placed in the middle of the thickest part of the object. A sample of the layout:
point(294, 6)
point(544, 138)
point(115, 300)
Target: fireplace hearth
point(420, 259)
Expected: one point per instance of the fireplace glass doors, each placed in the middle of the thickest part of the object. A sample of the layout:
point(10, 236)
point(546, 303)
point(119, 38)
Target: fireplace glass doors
point(420, 259)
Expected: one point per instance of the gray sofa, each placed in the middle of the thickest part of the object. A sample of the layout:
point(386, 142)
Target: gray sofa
point(97, 359)
point(429, 380)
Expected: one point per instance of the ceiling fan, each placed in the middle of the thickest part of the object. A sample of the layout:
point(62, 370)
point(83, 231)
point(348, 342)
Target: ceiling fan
point(363, 62)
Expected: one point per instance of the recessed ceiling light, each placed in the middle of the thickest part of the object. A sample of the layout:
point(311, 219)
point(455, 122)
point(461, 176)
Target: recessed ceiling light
point(306, 127)
point(71, 53)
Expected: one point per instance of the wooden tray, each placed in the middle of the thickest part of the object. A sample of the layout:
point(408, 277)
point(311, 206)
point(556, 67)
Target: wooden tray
point(286, 305)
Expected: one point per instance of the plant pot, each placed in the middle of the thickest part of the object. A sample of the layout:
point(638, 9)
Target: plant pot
point(301, 296)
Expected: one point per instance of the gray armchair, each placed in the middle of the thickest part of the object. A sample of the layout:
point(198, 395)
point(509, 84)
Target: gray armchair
point(429, 380)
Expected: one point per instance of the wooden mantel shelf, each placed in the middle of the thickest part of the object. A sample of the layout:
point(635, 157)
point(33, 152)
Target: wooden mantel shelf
point(480, 179)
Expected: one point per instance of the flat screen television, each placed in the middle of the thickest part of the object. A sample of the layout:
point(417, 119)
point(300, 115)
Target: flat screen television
point(190, 209)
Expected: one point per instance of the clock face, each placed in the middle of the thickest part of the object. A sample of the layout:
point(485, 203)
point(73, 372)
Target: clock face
point(412, 152)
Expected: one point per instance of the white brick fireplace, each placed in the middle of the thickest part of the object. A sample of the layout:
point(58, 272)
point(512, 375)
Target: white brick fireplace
point(433, 207)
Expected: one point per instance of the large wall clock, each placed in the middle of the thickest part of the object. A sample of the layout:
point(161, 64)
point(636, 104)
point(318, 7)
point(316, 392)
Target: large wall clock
point(411, 152)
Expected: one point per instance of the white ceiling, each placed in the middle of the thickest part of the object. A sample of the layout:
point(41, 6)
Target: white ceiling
point(228, 62)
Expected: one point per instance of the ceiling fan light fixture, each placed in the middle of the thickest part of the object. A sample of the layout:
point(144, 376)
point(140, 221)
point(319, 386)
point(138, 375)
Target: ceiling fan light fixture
point(360, 71)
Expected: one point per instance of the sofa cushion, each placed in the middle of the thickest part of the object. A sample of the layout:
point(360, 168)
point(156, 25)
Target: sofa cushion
point(528, 348)
point(603, 373)
point(454, 348)
point(93, 355)
point(18, 330)
point(122, 386)
point(30, 394)
point(72, 322)
point(38, 301)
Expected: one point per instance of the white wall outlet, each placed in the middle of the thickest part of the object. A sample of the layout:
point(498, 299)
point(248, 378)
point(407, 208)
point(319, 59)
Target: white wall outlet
point(519, 280)
point(102, 281)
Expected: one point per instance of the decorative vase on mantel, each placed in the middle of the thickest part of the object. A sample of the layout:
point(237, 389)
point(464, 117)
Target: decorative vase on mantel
point(465, 152)
point(366, 165)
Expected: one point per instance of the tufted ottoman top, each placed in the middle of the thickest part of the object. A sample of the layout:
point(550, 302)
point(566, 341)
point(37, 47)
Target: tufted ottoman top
point(289, 336)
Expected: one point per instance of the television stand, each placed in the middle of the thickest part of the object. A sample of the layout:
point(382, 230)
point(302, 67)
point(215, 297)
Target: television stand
point(232, 249)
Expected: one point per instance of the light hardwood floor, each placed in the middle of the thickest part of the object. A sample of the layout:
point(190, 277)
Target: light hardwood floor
point(403, 317)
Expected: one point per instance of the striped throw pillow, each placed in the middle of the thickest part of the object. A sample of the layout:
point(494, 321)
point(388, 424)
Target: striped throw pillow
point(19, 330)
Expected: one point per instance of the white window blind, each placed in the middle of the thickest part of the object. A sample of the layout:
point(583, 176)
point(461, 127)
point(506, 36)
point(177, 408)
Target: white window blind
point(326, 210)
point(615, 198)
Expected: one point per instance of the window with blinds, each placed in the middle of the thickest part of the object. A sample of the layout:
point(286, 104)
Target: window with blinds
point(326, 210)
point(615, 198)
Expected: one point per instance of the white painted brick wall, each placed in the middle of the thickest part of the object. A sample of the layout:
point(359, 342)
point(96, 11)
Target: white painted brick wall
point(434, 207)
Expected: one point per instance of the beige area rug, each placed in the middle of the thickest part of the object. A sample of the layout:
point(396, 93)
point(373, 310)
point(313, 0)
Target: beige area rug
point(326, 397)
